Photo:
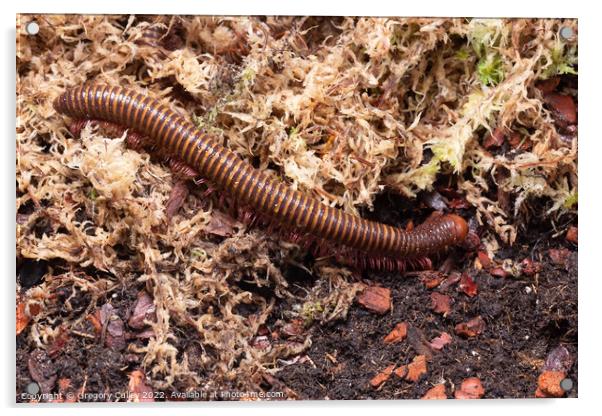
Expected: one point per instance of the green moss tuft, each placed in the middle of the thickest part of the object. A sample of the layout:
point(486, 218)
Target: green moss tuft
point(490, 69)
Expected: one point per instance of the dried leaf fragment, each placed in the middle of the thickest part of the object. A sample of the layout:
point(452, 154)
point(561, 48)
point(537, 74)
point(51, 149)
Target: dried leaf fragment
point(177, 196)
point(221, 224)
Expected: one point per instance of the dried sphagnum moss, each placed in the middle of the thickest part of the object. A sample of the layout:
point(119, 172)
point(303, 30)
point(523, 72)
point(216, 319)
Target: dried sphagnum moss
point(338, 108)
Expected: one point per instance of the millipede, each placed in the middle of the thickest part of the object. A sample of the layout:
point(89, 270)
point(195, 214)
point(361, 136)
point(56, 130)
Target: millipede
point(384, 246)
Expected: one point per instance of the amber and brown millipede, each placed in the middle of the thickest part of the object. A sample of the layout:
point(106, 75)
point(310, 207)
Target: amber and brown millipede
point(178, 137)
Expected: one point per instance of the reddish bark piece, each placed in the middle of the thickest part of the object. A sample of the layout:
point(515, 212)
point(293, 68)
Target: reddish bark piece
point(516, 142)
point(559, 256)
point(144, 309)
point(498, 272)
point(571, 234)
point(494, 139)
point(139, 390)
point(383, 376)
point(416, 369)
point(468, 285)
point(402, 371)
point(471, 328)
point(431, 278)
point(397, 334)
point(441, 341)
point(471, 388)
point(435, 393)
point(451, 280)
point(484, 259)
point(22, 318)
point(563, 107)
point(440, 303)
point(530, 268)
point(548, 85)
point(376, 299)
point(548, 384)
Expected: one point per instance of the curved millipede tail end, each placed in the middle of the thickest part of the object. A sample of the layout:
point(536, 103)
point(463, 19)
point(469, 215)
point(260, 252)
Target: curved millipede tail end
point(56, 103)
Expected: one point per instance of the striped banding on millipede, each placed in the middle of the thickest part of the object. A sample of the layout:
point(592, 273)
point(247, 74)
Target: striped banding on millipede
point(178, 137)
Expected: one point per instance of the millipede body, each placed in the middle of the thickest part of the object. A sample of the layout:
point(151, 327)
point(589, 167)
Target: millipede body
point(178, 137)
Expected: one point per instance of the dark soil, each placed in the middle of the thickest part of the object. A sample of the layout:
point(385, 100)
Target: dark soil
point(525, 319)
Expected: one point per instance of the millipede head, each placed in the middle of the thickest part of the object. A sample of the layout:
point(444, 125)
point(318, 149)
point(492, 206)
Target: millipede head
point(460, 227)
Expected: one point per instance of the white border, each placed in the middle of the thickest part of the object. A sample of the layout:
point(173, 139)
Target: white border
point(590, 95)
